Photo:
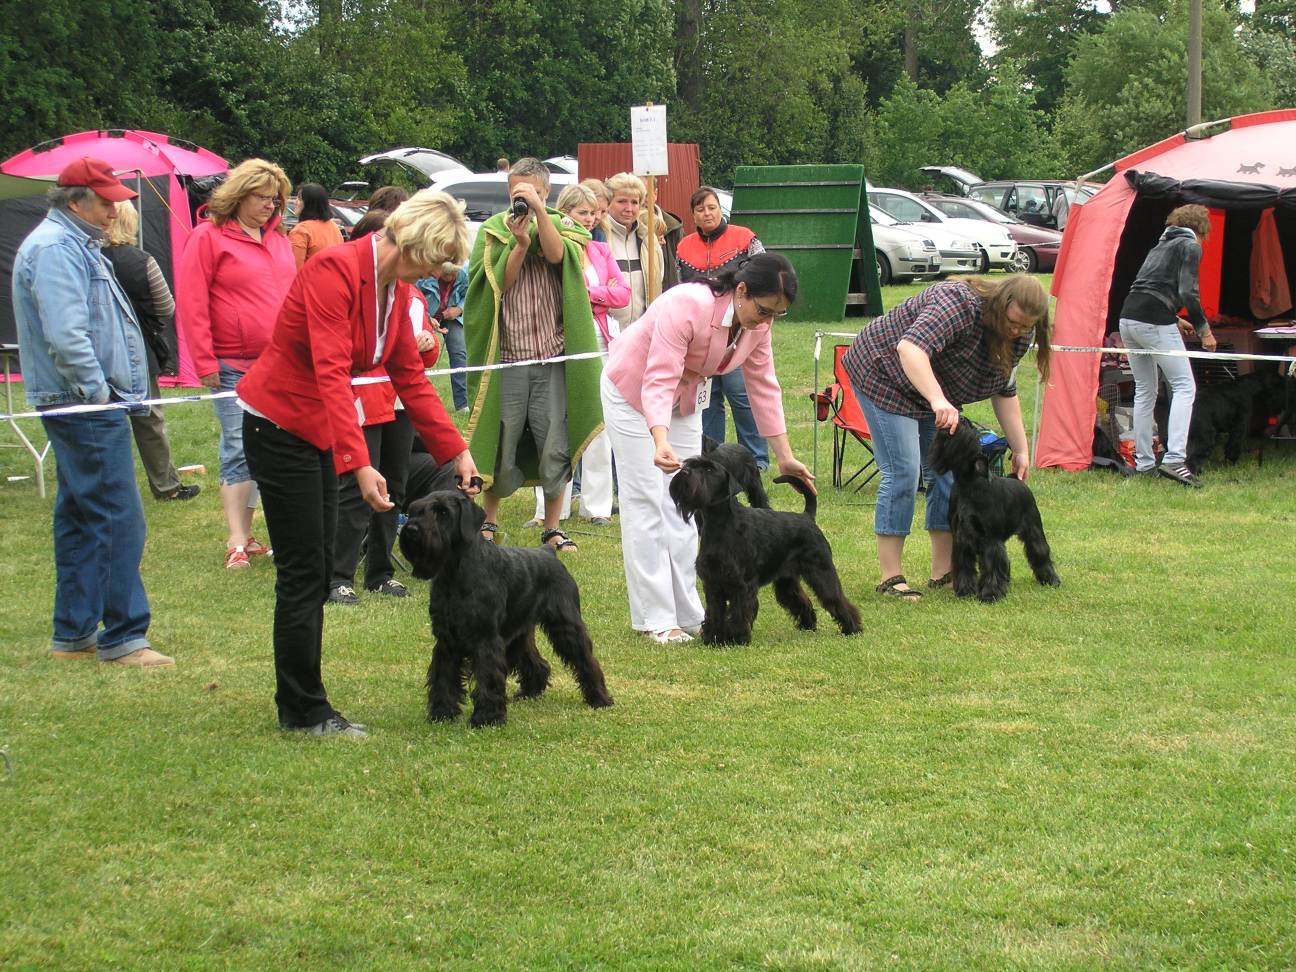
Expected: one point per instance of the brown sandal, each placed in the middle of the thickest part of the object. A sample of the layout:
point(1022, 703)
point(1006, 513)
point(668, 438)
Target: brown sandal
point(488, 530)
point(943, 581)
point(890, 585)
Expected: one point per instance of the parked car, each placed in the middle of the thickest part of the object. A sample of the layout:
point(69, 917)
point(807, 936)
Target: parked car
point(1037, 246)
point(1030, 200)
point(562, 163)
point(996, 246)
point(955, 253)
point(422, 164)
point(485, 194)
point(902, 252)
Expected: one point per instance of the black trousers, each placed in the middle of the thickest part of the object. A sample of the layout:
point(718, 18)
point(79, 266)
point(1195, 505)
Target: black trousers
point(389, 452)
point(299, 494)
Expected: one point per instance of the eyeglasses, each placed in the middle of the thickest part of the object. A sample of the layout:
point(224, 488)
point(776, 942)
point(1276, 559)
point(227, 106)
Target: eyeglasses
point(766, 314)
point(263, 199)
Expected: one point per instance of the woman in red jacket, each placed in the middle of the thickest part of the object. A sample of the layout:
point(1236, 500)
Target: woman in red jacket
point(346, 313)
point(236, 268)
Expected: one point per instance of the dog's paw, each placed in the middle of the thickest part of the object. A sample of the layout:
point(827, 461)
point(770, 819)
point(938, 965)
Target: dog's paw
point(599, 702)
point(990, 596)
point(480, 719)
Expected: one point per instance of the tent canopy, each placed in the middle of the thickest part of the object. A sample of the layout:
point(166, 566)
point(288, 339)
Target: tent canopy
point(1240, 167)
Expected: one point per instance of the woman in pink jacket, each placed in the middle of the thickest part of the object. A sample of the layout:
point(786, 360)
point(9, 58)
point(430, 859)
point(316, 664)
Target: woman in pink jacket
point(654, 390)
point(237, 267)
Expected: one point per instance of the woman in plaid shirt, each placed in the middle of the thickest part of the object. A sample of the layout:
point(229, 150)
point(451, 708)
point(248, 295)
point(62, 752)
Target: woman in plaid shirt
point(912, 369)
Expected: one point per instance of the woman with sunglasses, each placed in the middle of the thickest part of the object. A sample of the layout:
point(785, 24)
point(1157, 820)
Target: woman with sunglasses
point(654, 389)
point(912, 369)
point(237, 266)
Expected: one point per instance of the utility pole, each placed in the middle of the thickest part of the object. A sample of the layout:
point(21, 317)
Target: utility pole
point(1194, 62)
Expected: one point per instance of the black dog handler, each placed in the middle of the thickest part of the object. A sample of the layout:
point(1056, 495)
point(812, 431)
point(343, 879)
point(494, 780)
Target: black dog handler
point(485, 604)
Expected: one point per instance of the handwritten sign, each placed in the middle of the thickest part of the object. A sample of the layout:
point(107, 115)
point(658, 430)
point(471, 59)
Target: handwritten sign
point(648, 138)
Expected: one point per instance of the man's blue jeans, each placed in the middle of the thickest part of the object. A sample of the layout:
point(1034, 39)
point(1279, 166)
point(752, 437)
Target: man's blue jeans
point(98, 536)
point(732, 387)
point(458, 351)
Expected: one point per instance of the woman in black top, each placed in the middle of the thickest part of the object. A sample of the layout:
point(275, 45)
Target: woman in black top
point(1149, 321)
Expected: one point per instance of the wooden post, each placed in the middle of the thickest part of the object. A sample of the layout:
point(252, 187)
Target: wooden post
point(653, 288)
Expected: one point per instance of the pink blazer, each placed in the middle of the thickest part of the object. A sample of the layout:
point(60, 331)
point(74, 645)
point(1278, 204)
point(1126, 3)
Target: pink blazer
point(611, 290)
point(682, 331)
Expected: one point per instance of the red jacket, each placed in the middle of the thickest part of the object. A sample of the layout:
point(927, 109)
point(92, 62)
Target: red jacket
point(326, 333)
point(229, 290)
point(378, 401)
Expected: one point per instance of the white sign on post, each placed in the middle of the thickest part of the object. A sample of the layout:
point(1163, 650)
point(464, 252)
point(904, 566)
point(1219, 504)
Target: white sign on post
point(648, 138)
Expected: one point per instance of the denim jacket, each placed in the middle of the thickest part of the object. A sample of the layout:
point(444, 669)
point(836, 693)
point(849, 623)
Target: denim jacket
point(1169, 273)
point(430, 288)
point(78, 337)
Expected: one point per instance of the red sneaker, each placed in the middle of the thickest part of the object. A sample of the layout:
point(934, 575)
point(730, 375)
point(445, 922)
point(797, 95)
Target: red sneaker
point(236, 558)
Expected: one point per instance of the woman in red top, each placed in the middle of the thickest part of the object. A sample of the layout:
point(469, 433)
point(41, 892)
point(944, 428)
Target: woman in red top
point(236, 268)
point(346, 313)
point(719, 246)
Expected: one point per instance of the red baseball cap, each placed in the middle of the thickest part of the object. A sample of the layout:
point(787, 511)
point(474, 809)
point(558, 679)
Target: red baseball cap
point(97, 175)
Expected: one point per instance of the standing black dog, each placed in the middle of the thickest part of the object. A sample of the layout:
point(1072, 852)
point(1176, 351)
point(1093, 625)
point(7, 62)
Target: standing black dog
point(741, 550)
point(485, 604)
point(984, 511)
point(741, 465)
point(1234, 409)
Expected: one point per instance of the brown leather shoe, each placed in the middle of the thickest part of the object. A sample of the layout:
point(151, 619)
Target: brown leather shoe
point(89, 651)
point(143, 658)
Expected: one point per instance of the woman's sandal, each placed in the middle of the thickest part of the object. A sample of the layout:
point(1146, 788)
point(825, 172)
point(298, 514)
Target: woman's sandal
point(488, 530)
point(564, 542)
point(889, 587)
point(943, 581)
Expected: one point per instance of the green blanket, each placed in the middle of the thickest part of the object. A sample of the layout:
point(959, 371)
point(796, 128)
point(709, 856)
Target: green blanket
point(482, 337)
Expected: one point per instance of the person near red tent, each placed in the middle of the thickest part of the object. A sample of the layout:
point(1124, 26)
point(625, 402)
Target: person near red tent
point(912, 369)
point(346, 313)
point(236, 269)
point(1149, 321)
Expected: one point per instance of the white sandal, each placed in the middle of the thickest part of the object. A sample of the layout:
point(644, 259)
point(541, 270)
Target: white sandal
point(669, 636)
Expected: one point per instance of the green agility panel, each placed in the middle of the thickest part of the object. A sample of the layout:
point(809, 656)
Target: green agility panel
point(817, 217)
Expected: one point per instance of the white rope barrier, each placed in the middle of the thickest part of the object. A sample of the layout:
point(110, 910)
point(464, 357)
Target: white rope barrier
point(355, 382)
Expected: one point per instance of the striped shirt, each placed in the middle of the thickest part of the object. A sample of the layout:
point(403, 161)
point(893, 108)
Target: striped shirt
point(945, 321)
point(531, 314)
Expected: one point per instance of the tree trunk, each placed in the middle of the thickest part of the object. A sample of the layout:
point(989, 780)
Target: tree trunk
point(330, 19)
point(911, 41)
point(688, 53)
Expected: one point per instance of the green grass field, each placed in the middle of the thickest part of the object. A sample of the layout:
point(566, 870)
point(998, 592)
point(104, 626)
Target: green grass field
point(1095, 776)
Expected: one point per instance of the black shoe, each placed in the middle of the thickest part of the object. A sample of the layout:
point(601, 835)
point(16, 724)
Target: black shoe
point(334, 725)
point(1180, 473)
point(181, 493)
point(392, 588)
point(343, 595)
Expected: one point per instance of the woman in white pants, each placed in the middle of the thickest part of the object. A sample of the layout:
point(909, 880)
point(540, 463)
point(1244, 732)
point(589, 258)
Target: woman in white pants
point(607, 288)
point(654, 389)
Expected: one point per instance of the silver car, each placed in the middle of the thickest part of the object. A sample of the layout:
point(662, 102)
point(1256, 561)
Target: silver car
point(995, 245)
point(902, 253)
point(956, 254)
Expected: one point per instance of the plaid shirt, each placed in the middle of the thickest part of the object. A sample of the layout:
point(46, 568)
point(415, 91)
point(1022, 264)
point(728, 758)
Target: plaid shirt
point(945, 321)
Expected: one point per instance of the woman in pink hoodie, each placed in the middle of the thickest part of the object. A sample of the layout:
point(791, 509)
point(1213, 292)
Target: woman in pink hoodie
point(237, 267)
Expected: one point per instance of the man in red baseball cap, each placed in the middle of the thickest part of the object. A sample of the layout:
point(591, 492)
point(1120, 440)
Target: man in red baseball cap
point(80, 343)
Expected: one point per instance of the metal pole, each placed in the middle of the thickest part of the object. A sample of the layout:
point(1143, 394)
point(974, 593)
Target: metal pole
point(814, 412)
point(1194, 62)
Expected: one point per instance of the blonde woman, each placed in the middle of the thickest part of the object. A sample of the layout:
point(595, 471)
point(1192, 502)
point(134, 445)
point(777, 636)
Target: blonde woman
point(602, 200)
point(628, 241)
point(237, 267)
point(347, 312)
point(912, 369)
point(141, 278)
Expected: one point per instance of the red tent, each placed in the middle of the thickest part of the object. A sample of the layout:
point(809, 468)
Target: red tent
point(160, 167)
point(1246, 168)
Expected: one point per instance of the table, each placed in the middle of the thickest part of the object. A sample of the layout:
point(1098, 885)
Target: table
point(9, 352)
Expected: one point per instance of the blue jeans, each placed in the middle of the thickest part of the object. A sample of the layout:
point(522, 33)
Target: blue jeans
point(1183, 390)
point(458, 351)
point(900, 445)
point(732, 387)
point(98, 536)
point(233, 463)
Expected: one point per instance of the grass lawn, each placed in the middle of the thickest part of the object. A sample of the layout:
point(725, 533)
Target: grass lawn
point(1095, 776)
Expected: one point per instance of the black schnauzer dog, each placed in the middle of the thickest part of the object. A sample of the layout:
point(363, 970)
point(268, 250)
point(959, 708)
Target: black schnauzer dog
point(1234, 409)
point(741, 465)
point(741, 550)
point(485, 604)
point(984, 511)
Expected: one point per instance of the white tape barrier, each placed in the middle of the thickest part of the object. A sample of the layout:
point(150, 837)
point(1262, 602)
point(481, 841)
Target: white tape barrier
point(374, 380)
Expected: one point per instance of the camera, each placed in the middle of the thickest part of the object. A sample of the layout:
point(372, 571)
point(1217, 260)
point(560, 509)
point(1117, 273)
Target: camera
point(519, 208)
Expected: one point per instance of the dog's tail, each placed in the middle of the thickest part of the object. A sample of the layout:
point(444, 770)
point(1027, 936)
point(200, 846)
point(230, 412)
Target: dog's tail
point(799, 484)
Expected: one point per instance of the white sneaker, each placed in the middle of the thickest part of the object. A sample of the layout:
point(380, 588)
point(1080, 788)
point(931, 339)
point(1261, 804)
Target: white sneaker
point(669, 636)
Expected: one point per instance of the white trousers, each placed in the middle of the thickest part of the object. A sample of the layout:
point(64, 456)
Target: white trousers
point(657, 546)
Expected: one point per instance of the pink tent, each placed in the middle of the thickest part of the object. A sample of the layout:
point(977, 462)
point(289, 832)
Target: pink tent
point(159, 167)
point(1242, 170)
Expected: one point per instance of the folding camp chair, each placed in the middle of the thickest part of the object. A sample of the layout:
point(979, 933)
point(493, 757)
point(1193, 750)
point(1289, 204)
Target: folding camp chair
point(837, 403)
